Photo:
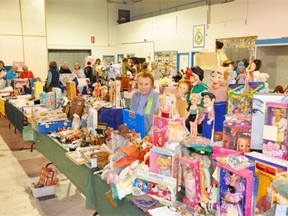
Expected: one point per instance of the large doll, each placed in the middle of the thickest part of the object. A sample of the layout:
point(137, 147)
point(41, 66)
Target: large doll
point(183, 88)
point(207, 117)
point(167, 106)
point(218, 78)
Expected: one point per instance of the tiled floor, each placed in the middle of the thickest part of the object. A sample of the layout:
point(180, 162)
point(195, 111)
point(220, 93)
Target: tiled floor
point(15, 194)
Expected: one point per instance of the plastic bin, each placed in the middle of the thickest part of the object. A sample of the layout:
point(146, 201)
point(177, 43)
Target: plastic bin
point(41, 192)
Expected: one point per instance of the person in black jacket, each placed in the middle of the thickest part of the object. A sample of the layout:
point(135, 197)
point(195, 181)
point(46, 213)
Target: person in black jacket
point(88, 70)
point(52, 77)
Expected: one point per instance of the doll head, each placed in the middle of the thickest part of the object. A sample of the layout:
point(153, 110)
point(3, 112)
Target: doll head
point(254, 66)
point(243, 142)
point(176, 132)
point(183, 87)
point(208, 99)
point(197, 75)
point(219, 76)
point(195, 99)
point(164, 163)
point(278, 112)
point(280, 187)
point(168, 104)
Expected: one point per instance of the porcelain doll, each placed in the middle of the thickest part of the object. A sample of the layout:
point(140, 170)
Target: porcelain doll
point(165, 164)
point(208, 115)
point(193, 113)
point(233, 194)
point(167, 106)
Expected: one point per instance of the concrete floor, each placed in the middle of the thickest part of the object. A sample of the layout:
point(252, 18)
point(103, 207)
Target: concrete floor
point(16, 196)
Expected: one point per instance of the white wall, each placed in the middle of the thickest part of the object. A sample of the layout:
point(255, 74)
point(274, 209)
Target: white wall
point(23, 34)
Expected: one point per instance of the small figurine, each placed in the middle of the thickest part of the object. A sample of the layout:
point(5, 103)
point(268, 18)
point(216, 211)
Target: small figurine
point(195, 100)
point(208, 115)
point(165, 165)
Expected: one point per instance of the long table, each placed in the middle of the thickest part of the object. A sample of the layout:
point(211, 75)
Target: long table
point(88, 183)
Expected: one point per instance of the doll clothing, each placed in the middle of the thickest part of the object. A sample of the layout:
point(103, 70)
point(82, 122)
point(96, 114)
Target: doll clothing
point(281, 128)
point(165, 172)
point(264, 203)
point(165, 115)
point(193, 114)
point(207, 128)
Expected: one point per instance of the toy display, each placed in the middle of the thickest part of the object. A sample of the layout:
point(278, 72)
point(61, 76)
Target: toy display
point(275, 130)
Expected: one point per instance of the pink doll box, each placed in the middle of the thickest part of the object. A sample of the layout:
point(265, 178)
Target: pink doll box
point(160, 187)
point(275, 130)
point(159, 130)
point(164, 162)
point(267, 169)
point(191, 182)
point(236, 189)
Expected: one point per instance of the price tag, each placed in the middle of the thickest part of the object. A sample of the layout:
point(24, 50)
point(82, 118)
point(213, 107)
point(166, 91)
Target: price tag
point(94, 162)
point(65, 123)
point(46, 126)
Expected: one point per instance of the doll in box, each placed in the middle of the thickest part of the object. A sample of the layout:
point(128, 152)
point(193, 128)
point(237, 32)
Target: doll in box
point(190, 185)
point(175, 134)
point(168, 106)
point(195, 100)
point(234, 193)
point(264, 203)
point(165, 164)
point(280, 122)
point(243, 141)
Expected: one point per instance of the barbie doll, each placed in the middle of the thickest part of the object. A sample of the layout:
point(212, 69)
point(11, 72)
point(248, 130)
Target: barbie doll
point(195, 100)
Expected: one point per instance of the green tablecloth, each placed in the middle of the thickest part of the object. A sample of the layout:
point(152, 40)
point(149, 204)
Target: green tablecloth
point(15, 116)
point(92, 186)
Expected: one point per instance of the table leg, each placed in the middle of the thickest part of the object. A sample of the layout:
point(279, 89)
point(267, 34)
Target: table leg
point(31, 150)
point(95, 213)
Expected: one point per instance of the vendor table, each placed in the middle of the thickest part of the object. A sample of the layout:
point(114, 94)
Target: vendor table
point(88, 183)
point(15, 116)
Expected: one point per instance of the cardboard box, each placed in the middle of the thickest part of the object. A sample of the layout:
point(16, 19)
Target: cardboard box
point(41, 192)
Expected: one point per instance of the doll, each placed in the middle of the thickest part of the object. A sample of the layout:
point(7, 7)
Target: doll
point(176, 132)
point(243, 142)
point(208, 115)
point(195, 100)
point(168, 106)
point(183, 88)
point(96, 91)
point(253, 71)
point(264, 203)
point(280, 122)
point(233, 194)
point(189, 183)
point(165, 164)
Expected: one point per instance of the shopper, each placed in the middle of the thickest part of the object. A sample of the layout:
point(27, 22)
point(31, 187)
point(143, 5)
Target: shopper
point(145, 101)
point(3, 73)
point(52, 77)
point(26, 73)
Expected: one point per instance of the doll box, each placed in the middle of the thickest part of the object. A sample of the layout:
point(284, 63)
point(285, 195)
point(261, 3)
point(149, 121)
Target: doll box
point(275, 130)
point(46, 128)
point(164, 162)
point(191, 182)
point(160, 125)
point(134, 121)
point(258, 116)
point(238, 196)
point(161, 188)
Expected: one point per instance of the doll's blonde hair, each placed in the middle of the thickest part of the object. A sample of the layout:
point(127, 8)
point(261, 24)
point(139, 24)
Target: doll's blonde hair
point(163, 99)
point(164, 160)
point(176, 131)
point(197, 97)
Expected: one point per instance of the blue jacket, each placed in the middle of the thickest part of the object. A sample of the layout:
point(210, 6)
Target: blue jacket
point(155, 104)
point(10, 76)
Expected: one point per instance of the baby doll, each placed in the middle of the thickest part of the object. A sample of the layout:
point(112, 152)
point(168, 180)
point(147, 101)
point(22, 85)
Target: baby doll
point(243, 142)
point(167, 106)
point(195, 100)
point(183, 88)
point(165, 164)
point(176, 132)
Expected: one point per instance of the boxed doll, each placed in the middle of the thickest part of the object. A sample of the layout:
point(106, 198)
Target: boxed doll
point(160, 187)
point(164, 162)
point(266, 170)
point(235, 193)
point(191, 180)
point(275, 130)
point(258, 116)
point(159, 130)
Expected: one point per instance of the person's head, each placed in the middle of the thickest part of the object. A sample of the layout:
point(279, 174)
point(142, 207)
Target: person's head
point(65, 65)
point(164, 162)
point(53, 65)
point(219, 45)
point(196, 76)
point(183, 87)
point(208, 99)
point(258, 64)
point(154, 65)
point(97, 61)
point(280, 187)
point(25, 68)
point(219, 75)
point(76, 66)
point(243, 142)
point(88, 63)
point(144, 66)
point(195, 99)
point(145, 82)
point(278, 89)
point(14, 67)
point(2, 65)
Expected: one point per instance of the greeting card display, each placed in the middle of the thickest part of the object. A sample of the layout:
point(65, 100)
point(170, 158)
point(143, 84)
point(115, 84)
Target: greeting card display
point(191, 180)
point(275, 130)
point(159, 130)
point(267, 169)
point(235, 191)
